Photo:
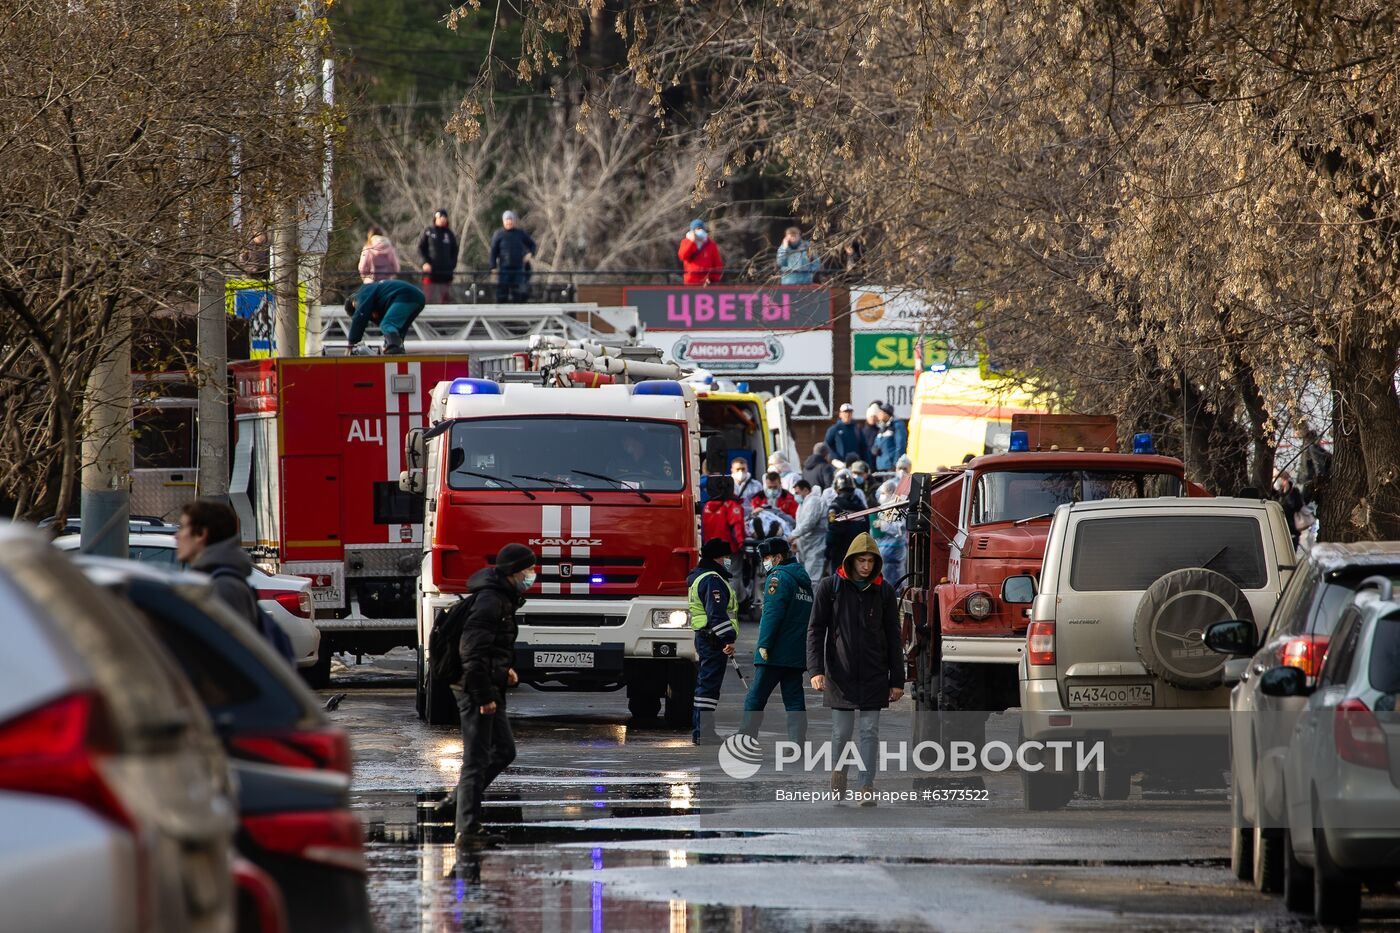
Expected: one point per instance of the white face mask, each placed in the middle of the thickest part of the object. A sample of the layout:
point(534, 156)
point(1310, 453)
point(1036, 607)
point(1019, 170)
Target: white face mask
point(740, 478)
point(770, 564)
point(527, 581)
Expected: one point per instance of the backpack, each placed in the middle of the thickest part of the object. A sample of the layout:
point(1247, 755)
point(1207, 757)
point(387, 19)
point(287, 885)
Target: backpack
point(444, 657)
point(267, 626)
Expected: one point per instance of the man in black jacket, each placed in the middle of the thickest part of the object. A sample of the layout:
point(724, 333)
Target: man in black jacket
point(512, 251)
point(437, 248)
point(855, 656)
point(487, 650)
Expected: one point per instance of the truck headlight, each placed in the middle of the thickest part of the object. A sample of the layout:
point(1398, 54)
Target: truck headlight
point(669, 618)
point(979, 605)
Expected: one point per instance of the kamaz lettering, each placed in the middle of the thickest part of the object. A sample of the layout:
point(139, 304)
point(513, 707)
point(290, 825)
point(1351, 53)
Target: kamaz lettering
point(566, 542)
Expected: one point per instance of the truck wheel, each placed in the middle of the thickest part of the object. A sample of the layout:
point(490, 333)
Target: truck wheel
point(926, 724)
point(439, 706)
point(680, 694)
point(318, 675)
point(1171, 616)
point(962, 702)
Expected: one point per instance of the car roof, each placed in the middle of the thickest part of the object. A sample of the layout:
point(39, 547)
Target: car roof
point(1167, 502)
point(110, 570)
point(139, 539)
point(1331, 556)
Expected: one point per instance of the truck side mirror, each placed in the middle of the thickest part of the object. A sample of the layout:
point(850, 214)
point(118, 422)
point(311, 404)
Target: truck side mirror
point(411, 481)
point(413, 448)
point(1233, 637)
point(1018, 590)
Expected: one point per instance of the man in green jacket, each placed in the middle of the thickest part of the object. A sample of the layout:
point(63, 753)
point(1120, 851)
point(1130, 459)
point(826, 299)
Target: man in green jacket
point(392, 304)
point(781, 655)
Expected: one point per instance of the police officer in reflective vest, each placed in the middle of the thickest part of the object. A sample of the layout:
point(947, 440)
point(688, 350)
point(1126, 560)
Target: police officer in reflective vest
point(714, 614)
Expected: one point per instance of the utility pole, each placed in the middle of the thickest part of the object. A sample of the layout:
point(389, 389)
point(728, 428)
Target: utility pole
point(211, 342)
point(106, 492)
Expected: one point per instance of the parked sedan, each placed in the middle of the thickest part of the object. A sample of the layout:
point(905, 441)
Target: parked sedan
point(292, 766)
point(114, 792)
point(286, 598)
point(1342, 769)
point(1261, 726)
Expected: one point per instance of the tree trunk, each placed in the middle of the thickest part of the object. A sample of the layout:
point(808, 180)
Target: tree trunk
point(106, 502)
point(1261, 469)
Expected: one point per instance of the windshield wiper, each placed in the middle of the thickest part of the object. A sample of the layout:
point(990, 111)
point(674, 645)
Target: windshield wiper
point(1033, 518)
point(497, 479)
point(616, 482)
point(556, 483)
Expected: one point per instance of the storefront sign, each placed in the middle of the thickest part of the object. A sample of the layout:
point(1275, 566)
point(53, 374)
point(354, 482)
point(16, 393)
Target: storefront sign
point(894, 352)
point(808, 397)
point(897, 390)
point(725, 307)
point(746, 351)
point(892, 309)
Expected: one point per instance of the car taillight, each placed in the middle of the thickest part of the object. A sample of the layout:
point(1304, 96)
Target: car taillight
point(1358, 735)
point(54, 751)
point(322, 749)
point(332, 837)
point(1040, 643)
point(297, 602)
point(1305, 653)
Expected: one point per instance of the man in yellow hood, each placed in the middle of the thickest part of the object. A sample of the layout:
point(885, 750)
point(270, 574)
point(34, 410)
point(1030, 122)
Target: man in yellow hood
point(854, 656)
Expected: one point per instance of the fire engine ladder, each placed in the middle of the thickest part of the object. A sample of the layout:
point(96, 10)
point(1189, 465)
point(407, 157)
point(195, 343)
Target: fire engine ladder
point(482, 328)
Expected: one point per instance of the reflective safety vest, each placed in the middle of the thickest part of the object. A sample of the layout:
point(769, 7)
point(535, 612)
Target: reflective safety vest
point(698, 618)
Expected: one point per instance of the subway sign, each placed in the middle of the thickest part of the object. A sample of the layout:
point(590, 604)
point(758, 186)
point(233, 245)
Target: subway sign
point(893, 352)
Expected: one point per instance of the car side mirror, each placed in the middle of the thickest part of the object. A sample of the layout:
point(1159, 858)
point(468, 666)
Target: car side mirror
point(1284, 682)
point(1233, 637)
point(1018, 590)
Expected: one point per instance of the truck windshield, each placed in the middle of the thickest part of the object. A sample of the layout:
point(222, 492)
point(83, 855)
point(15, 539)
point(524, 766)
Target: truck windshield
point(559, 453)
point(1007, 496)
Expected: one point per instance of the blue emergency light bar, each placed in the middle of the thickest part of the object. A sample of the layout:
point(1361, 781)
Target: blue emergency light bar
point(658, 387)
point(474, 387)
point(742, 386)
point(1142, 444)
point(1020, 442)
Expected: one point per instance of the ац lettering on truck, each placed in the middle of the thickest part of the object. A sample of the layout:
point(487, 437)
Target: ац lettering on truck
point(600, 484)
point(315, 483)
point(972, 527)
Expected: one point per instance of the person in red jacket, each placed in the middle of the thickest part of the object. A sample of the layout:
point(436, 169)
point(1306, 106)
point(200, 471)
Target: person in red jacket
point(700, 256)
point(723, 515)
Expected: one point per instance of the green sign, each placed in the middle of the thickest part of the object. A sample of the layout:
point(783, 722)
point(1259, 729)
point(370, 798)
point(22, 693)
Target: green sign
point(893, 352)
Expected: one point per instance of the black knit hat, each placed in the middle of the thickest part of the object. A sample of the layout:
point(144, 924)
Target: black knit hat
point(514, 558)
point(774, 547)
point(715, 548)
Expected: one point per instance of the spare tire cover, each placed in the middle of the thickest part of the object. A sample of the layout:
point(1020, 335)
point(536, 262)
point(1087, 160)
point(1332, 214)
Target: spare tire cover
point(1173, 614)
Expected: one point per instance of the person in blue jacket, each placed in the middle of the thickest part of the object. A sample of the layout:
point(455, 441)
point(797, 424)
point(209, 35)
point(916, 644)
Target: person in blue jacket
point(844, 439)
point(392, 304)
point(891, 441)
point(781, 655)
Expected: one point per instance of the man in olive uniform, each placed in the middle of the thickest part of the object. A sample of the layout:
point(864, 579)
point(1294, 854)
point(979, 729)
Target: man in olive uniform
point(781, 654)
point(714, 615)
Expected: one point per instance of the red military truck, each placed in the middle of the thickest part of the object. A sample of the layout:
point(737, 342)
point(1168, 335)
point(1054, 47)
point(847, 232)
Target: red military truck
point(972, 527)
point(316, 486)
point(601, 483)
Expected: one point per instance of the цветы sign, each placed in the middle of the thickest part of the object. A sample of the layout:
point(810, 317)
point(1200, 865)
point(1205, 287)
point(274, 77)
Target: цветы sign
point(730, 307)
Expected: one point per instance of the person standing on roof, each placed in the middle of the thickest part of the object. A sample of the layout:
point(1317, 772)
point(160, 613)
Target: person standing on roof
point(855, 657)
point(512, 252)
point(714, 616)
point(487, 650)
point(379, 261)
point(700, 256)
point(797, 261)
point(437, 248)
point(781, 654)
point(392, 304)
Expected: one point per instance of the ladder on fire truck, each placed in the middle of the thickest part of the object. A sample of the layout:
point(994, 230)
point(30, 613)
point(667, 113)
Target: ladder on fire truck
point(498, 329)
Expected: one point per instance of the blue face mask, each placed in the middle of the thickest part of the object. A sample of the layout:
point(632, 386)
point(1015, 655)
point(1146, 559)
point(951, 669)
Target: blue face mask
point(772, 493)
point(527, 581)
point(800, 497)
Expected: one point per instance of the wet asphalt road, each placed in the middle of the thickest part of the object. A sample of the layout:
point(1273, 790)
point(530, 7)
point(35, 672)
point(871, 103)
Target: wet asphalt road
point(610, 826)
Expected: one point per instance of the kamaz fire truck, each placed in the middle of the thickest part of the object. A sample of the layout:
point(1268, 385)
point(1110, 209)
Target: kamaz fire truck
point(316, 486)
point(592, 459)
point(972, 527)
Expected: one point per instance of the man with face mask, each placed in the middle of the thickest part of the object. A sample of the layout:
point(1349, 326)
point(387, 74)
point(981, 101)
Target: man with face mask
point(782, 641)
point(902, 468)
point(745, 486)
point(714, 615)
point(809, 535)
point(487, 650)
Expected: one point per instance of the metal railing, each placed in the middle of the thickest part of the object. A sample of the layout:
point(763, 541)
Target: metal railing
point(478, 286)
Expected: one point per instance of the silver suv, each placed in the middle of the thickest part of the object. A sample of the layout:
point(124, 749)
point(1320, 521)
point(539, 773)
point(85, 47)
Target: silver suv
point(1114, 649)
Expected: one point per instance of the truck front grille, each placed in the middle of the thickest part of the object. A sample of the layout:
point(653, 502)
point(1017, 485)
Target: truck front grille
point(544, 619)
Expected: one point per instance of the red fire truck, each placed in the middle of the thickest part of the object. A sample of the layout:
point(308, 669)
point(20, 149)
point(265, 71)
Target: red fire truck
point(599, 482)
point(972, 527)
point(316, 485)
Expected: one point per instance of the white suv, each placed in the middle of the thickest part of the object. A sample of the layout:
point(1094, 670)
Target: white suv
point(1114, 649)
